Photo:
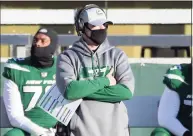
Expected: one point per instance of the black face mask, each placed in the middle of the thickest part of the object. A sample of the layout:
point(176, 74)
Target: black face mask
point(98, 36)
point(43, 56)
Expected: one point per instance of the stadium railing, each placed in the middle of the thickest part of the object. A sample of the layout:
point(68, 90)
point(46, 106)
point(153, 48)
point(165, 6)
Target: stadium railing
point(164, 41)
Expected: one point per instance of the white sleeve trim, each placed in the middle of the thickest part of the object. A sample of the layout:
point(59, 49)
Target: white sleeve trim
point(15, 111)
point(168, 111)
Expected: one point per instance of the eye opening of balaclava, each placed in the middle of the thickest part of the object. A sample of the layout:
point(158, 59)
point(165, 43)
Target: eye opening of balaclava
point(42, 57)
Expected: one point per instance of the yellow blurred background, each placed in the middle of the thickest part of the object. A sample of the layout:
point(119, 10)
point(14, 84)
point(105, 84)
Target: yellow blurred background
point(132, 51)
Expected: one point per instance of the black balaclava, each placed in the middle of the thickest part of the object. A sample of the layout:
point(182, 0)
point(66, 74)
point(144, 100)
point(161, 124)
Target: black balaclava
point(42, 57)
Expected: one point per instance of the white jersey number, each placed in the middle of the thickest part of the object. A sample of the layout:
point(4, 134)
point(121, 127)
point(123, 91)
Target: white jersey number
point(37, 90)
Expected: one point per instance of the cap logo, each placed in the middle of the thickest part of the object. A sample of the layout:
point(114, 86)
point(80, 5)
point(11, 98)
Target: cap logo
point(99, 12)
point(43, 31)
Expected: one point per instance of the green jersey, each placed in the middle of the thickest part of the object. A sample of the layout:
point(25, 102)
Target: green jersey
point(32, 84)
point(179, 78)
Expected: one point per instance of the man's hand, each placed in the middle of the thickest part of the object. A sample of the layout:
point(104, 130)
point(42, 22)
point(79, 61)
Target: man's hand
point(112, 80)
point(62, 130)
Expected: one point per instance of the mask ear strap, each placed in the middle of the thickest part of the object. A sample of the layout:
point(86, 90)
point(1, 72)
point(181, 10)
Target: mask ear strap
point(86, 25)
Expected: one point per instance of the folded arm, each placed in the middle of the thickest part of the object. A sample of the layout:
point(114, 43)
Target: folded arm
point(68, 84)
point(114, 93)
point(124, 88)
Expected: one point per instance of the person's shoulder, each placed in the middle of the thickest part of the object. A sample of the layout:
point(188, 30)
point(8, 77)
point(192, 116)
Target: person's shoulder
point(17, 63)
point(14, 66)
point(118, 53)
point(174, 77)
point(176, 70)
point(70, 53)
point(118, 50)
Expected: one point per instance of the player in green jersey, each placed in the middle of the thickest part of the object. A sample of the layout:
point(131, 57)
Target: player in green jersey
point(175, 107)
point(26, 80)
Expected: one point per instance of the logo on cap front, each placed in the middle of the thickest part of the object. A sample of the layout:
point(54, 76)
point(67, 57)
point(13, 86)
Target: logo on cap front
point(99, 11)
point(43, 30)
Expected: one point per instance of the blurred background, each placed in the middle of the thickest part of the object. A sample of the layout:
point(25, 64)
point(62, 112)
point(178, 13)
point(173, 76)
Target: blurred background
point(178, 24)
point(154, 35)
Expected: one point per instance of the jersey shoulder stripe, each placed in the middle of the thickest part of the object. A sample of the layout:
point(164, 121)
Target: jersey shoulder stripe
point(16, 66)
point(175, 77)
